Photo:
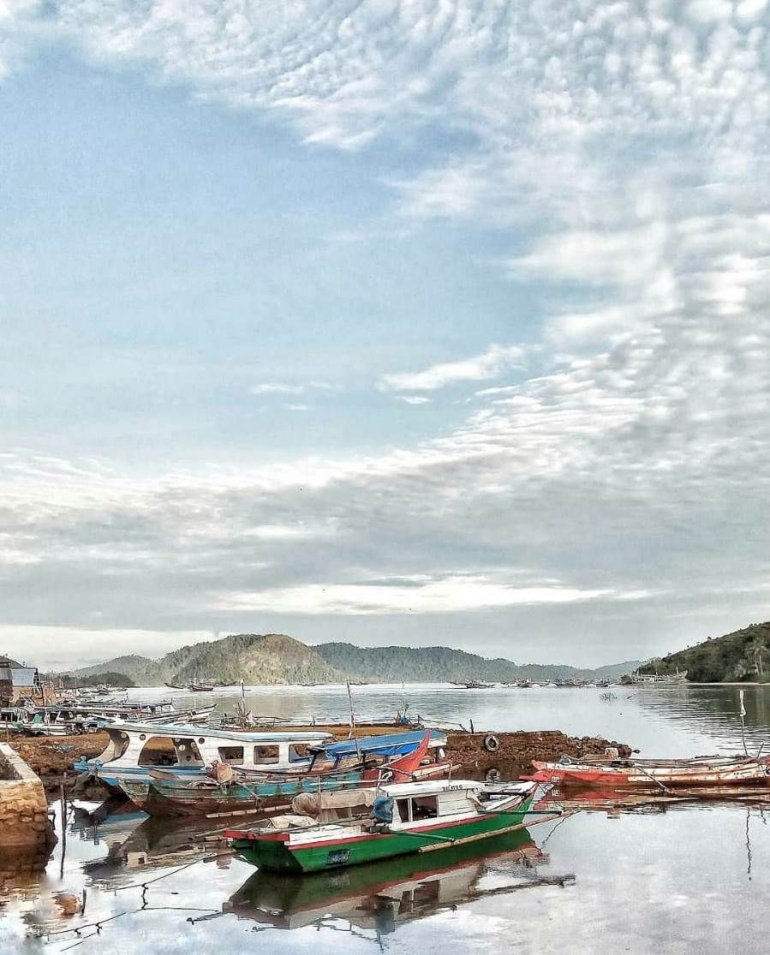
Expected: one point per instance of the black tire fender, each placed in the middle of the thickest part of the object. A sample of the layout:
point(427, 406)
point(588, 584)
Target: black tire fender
point(491, 743)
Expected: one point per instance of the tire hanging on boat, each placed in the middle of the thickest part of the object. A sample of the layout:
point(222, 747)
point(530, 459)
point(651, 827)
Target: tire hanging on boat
point(491, 743)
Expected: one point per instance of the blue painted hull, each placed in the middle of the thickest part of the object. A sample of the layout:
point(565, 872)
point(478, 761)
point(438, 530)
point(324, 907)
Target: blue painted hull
point(175, 797)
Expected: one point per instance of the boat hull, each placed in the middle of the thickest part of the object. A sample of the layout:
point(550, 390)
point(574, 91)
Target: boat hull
point(178, 798)
point(742, 772)
point(275, 853)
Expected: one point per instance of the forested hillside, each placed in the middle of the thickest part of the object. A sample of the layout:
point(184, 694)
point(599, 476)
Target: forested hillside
point(741, 656)
point(277, 658)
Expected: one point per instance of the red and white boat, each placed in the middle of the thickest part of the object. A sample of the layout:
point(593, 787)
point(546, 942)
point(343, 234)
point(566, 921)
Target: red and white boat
point(656, 773)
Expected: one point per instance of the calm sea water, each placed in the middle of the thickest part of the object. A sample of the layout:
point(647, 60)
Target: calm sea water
point(673, 880)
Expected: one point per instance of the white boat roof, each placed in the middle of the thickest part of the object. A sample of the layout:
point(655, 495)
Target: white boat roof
point(202, 732)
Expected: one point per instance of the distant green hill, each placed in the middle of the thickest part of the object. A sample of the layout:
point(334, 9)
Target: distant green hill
point(255, 658)
point(415, 664)
point(741, 656)
point(444, 664)
point(276, 658)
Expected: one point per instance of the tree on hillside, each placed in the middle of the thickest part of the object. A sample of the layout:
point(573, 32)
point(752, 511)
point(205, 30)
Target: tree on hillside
point(757, 651)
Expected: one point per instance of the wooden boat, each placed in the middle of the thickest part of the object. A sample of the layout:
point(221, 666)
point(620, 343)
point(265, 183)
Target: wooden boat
point(227, 789)
point(473, 685)
point(384, 894)
point(134, 749)
point(267, 765)
point(406, 818)
point(663, 773)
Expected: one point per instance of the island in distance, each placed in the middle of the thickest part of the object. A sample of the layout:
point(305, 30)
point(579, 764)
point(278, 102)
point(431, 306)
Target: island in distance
point(275, 658)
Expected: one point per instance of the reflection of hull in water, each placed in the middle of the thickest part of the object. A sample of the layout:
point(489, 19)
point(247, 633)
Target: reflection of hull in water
point(615, 801)
point(115, 814)
point(382, 894)
point(154, 844)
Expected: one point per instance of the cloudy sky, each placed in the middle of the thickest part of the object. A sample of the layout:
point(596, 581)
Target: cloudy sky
point(404, 321)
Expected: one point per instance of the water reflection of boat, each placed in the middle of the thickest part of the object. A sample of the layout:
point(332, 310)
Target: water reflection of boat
point(154, 844)
point(383, 895)
point(614, 801)
point(116, 814)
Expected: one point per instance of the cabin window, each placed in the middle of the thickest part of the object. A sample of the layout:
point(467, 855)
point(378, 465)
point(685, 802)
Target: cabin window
point(404, 807)
point(265, 754)
point(157, 751)
point(116, 747)
point(424, 807)
point(298, 751)
point(231, 754)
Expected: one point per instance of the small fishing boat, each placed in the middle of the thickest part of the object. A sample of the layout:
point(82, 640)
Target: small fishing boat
point(405, 818)
point(663, 773)
point(228, 788)
point(165, 769)
point(135, 749)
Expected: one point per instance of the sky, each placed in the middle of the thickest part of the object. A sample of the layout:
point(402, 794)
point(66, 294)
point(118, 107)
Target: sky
point(392, 321)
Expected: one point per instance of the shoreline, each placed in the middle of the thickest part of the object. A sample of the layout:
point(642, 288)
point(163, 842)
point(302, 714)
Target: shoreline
point(51, 757)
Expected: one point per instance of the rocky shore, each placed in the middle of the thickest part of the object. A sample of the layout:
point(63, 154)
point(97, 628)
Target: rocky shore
point(509, 754)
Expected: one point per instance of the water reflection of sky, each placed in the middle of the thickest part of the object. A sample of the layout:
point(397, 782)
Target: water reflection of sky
point(678, 881)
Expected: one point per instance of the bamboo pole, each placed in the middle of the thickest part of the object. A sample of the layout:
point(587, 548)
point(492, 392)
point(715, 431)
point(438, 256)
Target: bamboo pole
point(489, 835)
point(63, 802)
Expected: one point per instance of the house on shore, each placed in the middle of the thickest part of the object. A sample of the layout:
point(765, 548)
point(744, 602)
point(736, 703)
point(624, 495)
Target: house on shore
point(18, 681)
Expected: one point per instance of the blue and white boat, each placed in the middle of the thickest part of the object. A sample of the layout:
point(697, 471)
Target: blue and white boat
point(168, 769)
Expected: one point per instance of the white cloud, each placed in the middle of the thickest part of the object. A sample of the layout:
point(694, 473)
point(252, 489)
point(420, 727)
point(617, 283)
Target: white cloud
point(624, 150)
point(415, 399)
point(450, 595)
point(60, 648)
point(495, 360)
point(276, 388)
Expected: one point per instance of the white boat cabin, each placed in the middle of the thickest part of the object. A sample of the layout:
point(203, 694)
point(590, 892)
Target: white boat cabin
point(416, 802)
point(133, 745)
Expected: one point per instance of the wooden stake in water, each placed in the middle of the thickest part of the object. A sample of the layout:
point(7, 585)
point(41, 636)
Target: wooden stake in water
point(63, 810)
point(743, 725)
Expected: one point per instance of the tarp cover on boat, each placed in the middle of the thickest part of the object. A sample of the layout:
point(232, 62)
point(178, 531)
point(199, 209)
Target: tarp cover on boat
point(390, 744)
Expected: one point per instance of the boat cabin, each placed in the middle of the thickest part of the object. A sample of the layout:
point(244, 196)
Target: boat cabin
point(415, 803)
point(133, 745)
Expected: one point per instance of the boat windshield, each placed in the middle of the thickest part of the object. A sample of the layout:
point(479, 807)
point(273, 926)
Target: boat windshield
point(417, 808)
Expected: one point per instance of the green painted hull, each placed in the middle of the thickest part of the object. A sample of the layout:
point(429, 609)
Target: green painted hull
point(275, 856)
point(279, 892)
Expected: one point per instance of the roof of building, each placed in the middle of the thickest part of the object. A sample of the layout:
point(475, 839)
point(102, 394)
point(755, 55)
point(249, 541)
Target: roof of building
point(7, 662)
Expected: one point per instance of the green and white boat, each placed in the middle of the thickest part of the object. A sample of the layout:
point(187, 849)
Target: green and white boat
point(405, 818)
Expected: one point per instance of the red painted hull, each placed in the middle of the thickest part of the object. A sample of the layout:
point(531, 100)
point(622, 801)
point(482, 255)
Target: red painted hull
point(648, 774)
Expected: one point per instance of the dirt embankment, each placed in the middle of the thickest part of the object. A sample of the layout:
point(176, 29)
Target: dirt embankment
point(515, 752)
point(52, 757)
